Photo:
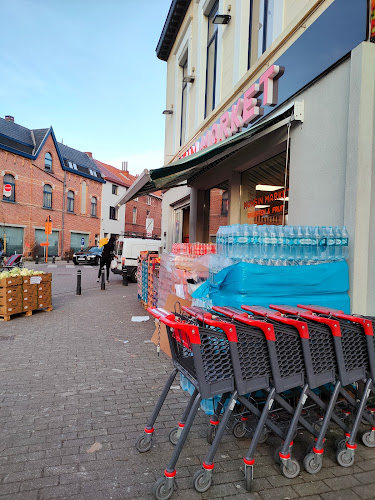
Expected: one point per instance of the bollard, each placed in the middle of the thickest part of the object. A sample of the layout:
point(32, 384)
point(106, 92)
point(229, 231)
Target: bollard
point(79, 277)
point(102, 285)
point(37, 259)
point(53, 260)
point(124, 276)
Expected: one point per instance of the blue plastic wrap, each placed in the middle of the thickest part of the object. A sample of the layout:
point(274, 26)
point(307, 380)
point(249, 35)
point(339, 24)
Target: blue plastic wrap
point(253, 284)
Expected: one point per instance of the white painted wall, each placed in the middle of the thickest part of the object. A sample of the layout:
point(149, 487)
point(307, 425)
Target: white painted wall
point(170, 198)
point(107, 225)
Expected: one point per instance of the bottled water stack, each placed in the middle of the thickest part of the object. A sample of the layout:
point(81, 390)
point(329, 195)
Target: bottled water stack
point(283, 245)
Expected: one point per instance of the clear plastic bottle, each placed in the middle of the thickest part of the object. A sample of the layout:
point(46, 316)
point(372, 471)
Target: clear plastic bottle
point(331, 246)
point(219, 241)
point(323, 244)
point(265, 243)
point(289, 243)
point(282, 249)
point(345, 243)
point(298, 244)
point(224, 237)
point(245, 242)
point(230, 241)
point(249, 234)
point(338, 243)
point(256, 243)
point(308, 249)
point(273, 248)
point(315, 237)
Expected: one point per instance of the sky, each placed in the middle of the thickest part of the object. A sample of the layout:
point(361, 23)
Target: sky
point(89, 69)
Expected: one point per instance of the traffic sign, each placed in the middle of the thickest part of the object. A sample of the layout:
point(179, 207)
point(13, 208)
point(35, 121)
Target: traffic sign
point(44, 244)
point(48, 227)
point(82, 242)
point(7, 190)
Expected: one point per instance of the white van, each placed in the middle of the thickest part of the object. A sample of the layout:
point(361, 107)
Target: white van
point(127, 251)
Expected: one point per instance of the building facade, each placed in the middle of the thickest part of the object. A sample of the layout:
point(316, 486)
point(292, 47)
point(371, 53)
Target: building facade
point(48, 181)
point(270, 102)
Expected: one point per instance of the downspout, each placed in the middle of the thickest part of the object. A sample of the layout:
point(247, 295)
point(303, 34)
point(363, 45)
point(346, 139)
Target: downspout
point(63, 218)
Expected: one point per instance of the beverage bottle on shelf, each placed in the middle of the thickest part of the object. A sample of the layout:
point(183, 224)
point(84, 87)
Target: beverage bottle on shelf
point(273, 248)
point(255, 244)
point(265, 243)
point(323, 243)
point(230, 241)
point(308, 246)
point(331, 247)
point(344, 243)
point(281, 237)
point(338, 243)
point(298, 240)
point(249, 235)
point(237, 233)
point(219, 240)
point(289, 235)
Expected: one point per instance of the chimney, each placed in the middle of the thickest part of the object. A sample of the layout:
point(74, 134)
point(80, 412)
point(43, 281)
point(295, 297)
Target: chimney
point(88, 153)
point(9, 118)
point(124, 166)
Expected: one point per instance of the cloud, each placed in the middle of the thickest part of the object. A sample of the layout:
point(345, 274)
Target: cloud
point(140, 161)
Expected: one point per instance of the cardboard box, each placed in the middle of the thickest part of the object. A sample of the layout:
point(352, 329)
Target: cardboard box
point(169, 306)
point(30, 306)
point(10, 309)
point(9, 299)
point(44, 287)
point(12, 291)
point(7, 282)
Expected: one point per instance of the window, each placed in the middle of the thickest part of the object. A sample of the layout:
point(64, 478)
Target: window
point(94, 203)
point(48, 162)
point(47, 196)
point(211, 61)
point(134, 215)
point(148, 200)
point(270, 23)
point(10, 181)
point(183, 103)
point(224, 203)
point(70, 202)
point(112, 213)
point(114, 189)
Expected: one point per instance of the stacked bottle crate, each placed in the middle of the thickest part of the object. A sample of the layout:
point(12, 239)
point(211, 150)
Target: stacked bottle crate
point(153, 273)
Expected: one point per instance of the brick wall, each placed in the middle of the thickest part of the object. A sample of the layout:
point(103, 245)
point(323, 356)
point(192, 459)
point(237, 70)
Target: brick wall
point(142, 208)
point(216, 219)
point(28, 211)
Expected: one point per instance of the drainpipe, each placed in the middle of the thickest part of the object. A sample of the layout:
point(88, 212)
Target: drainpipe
point(63, 218)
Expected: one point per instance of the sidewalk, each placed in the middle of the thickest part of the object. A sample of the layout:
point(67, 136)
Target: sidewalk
point(76, 388)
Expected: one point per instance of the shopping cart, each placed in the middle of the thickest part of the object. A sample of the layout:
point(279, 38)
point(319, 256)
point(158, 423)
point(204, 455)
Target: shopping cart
point(201, 352)
point(355, 353)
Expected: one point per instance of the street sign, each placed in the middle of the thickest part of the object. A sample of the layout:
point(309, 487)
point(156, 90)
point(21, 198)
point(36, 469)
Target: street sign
point(7, 190)
point(82, 242)
point(44, 244)
point(149, 226)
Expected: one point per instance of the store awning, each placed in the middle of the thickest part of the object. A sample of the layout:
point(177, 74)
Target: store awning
point(175, 173)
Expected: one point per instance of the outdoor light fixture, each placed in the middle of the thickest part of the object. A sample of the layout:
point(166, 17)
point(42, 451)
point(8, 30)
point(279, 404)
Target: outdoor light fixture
point(168, 112)
point(267, 187)
point(188, 79)
point(221, 19)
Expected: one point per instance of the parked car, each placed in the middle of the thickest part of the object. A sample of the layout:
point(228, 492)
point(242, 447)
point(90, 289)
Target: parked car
point(89, 255)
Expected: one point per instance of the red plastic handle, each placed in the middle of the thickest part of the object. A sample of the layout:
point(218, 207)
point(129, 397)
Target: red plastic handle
point(197, 312)
point(160, 313)
point(169, 319)
point(286, 309)
point(228, 311)
point(301, 326)
point(267, 328)
point(320, 309)
point(228, 328)
point(331, 322)
point(258, 310)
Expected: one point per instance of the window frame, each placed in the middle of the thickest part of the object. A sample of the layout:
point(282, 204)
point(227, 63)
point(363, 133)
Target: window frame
point(211, 40)
point(70, 201)
point(93, 213)
point(11, 199)
point(149, 200)
point(47, 197)
point(224, 204)
point(135, 215)
point(113, 213)
point(114, 189)
point(48, 168)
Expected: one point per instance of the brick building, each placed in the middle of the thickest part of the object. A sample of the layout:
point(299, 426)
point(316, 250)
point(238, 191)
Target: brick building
point(46, 179)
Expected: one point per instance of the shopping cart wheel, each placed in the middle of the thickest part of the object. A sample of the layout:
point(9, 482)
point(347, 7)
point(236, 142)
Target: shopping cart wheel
point(292, 470)
point(143, 444)
point(162, 490)
point(345, 459)
point(211, 434)
point(263, 438)
point(248, 478)
point(174, 435)
point(312, 463)
point(340, 444)
point(202, 480)
point(368, 439)
point(239, 430)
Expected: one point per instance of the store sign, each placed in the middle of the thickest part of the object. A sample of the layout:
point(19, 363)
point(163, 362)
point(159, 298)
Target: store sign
point(271, 203)
point(7, 190)
point(245, 111)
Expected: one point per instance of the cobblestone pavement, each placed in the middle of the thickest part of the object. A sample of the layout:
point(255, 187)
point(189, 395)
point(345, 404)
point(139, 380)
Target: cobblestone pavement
point(76, 388)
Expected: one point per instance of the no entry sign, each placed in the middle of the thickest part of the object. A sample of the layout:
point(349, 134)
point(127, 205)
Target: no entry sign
point(7, 190)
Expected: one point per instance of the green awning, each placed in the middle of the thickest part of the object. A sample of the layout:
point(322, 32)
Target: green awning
point(175, 173)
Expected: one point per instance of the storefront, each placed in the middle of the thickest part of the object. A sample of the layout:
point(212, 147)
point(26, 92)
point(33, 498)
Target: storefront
point(12, 239)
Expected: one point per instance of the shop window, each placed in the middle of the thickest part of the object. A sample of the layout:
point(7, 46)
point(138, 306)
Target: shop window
point(211, 61)
point(70, 202)
point(112, 213)
point(9, 194)
point(270, 22)
point(47, 196)
point(94, 203)
point(134, 215)
point(224, 203)
point(183, 101)
point(114, 189)
point(48, 162)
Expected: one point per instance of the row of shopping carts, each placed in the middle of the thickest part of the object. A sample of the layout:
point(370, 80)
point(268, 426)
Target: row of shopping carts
point(277, 370)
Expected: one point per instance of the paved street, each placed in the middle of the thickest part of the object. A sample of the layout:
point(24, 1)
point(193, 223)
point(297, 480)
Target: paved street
point(76, 387)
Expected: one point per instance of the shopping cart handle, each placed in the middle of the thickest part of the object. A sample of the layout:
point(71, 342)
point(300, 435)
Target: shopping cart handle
point(169, 319)
point(333, 324)
point(320, 309)
point(160, 313)
point(229, 311)
point(228, 328)
point(267, 328)
point(197, 312)
point(285, 309)
point(300, 326)
point(258, 310)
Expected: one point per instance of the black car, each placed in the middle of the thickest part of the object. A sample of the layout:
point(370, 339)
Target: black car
point(89, 255)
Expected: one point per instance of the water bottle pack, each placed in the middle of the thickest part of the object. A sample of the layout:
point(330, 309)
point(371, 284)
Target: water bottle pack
point(282, 245)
